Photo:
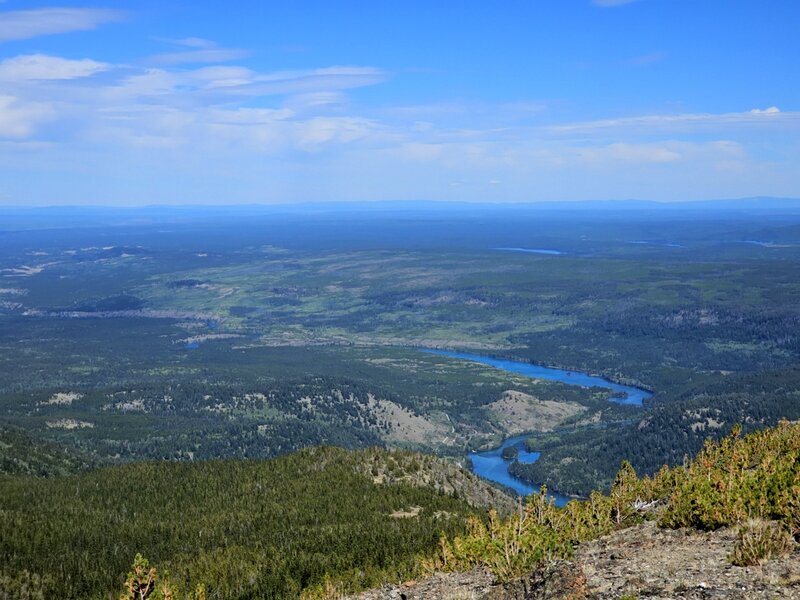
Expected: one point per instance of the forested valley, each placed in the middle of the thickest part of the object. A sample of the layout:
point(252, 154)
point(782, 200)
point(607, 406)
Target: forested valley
point(151, 368)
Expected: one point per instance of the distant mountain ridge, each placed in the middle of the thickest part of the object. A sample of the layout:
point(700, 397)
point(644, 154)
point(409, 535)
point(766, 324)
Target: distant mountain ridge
point(14, 218)
point(751, 202)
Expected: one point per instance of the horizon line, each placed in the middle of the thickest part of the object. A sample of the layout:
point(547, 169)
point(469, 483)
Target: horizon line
point(333, 203)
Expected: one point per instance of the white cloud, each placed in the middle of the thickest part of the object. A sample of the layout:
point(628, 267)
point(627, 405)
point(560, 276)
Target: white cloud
point(321, 131)
point(685, 120)
point(191, 42)
point(632, 153)
point(245, 124)
point(19, 119)
point(201, 51)
point(206, 55)
point(214, 130)
point(151, 83)
point(317, 100)
point(248, 116)
point(44, 67)
point(24, 24)
point(211, 85)
point(222, 77)
point(313, 80)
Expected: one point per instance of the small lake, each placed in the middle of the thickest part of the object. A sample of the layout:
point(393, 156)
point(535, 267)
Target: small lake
point(490, 464)
point(664, 244)
point(532, 251)
point(768, 244)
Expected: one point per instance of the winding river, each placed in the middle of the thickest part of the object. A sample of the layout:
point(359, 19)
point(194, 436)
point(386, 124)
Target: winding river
point(490, 464)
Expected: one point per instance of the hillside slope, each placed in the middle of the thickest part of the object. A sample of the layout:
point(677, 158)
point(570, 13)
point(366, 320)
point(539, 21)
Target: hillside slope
point(22, 453)
point(241, 528)
point(725, 525)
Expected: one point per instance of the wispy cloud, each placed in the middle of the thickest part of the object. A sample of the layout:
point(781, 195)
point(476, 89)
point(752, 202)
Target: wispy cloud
point(18, 119)
point(209, 55)
point(212, 84)
point(190, 42)
point(317, 100)
point(239, 122)
point(44, 67)
point(655, 153)
point(654, 123)
point(197, 51)
point(24, 24)
point(133, 107)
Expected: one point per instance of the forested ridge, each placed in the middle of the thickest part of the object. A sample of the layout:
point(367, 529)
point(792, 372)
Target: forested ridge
point(245, 529)
point(325, 521)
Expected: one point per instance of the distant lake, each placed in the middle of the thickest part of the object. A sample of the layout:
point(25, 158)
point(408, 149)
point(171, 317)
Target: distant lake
point(632, 395)
point(768, 244)
point(664, 244)
point(532, 250)
point(490, 464)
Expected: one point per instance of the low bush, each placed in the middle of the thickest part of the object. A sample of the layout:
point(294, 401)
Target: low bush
point(760, 541)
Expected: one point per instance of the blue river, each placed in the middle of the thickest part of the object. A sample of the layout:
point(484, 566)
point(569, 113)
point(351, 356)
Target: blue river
point(628, 394)
point(490, 464)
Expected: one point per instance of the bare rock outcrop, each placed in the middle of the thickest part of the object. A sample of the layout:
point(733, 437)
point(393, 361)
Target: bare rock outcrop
point(634, 563)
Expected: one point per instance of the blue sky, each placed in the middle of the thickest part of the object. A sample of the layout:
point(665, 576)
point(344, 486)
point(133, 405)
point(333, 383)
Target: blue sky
point(196, 101)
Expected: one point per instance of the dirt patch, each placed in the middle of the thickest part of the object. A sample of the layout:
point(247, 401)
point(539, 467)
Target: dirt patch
point(406, 364)
point(406, 514)
point(69, 424)
point(406, 427)
point(63, 398)
point(135, 405)
point(197, 339)
point(517, 412)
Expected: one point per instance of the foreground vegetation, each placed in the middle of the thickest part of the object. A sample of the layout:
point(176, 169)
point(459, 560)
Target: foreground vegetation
point(315, 524)
point(752, 482)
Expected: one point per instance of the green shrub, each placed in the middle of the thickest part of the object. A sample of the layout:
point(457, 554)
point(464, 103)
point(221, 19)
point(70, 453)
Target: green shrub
point(538, 531)
point(760, 541)
point(735, 479)
point(729, 482)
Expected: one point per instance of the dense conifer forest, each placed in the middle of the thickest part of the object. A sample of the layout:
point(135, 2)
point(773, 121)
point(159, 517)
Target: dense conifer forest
point(244, 529)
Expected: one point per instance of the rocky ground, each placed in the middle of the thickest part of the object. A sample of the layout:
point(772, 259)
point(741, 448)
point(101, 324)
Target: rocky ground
point(424, 470)
point(638, 562)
